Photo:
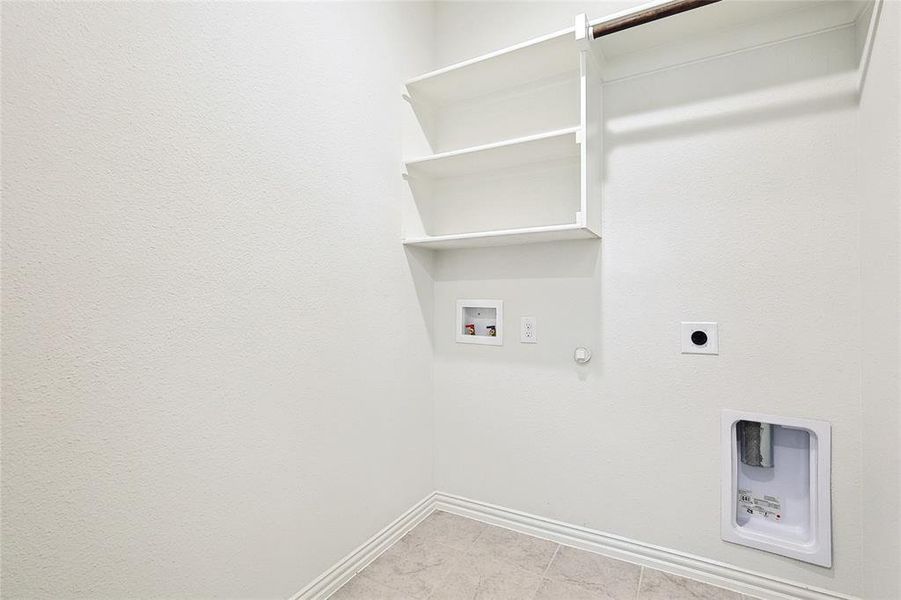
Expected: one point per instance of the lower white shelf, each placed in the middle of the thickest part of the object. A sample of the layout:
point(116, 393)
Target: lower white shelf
point(559, 144)
point(504, 237)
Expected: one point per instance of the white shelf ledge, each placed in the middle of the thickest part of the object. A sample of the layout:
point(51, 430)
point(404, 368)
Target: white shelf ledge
point(506, 237)
point(540, 58)
point(712, 31)
point(707, 32)
point(553, 145)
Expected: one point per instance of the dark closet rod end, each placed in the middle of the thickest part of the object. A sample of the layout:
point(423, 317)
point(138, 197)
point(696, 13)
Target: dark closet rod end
point(654, 13)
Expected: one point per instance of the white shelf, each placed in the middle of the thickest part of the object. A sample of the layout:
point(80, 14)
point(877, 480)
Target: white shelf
point(538, 86)
point(553, 145)
point(705, 32)
point(714, 30)
point(708, 31)
point(528, 187)
point(547, 233)
point(540, 58)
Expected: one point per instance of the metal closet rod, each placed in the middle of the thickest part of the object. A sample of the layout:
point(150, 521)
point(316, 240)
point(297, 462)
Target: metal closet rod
point(654, 13)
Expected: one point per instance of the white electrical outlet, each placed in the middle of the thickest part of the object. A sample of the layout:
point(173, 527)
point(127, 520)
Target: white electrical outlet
point(527, 332)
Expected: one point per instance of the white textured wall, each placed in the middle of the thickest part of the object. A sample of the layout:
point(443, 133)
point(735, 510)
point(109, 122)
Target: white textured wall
point(216, 369)
point(732, 196)
point(216, 372)
point(880, 233)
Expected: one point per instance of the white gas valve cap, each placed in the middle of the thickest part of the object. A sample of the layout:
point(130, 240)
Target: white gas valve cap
point(582, 355)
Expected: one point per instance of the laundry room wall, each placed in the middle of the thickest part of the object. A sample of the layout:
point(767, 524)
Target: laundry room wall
point(216, 360)
point(880, 224)
point(730, 195)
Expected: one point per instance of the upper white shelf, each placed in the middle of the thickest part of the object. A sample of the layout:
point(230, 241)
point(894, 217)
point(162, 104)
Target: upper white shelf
point(540, 58)
point(714, 30)
point(553, 145)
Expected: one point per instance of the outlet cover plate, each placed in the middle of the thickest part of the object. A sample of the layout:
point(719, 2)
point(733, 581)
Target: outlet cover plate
point(710, 329)
point(528, 334)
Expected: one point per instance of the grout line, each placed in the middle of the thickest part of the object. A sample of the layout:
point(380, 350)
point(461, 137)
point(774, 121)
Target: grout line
point(753, 585)
point(483, 529)
point(362, 572)
point(543, 576)
point(548, 567)
point(544, 573)
point(450, 569)
point(463, 553)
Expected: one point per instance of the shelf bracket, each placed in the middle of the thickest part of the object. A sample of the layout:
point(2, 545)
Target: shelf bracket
point(583, 32)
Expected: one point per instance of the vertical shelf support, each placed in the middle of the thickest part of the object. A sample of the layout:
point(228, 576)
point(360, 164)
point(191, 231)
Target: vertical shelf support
point(591, 130)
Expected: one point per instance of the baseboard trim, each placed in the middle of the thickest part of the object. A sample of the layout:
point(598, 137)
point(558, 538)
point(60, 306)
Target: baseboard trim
point(678, 563)
point(342, 572)
point(663, 559)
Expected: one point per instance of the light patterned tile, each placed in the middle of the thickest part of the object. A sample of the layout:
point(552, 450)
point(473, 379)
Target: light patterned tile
point(657, 585)
point(412, 567)
point(448, 529)
point(477, 578)
point(361, 588)
point(524, 551)
point(608, 578)
point(551, 589)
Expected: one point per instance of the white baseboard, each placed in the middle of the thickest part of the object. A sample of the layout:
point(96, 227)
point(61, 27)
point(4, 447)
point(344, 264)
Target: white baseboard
point(663, 559)
point(326, 584)
point(671, 561)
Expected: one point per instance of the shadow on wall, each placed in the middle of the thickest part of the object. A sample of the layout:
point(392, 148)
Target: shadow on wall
point(530, 261)
point(523, 196)
point(422, 263)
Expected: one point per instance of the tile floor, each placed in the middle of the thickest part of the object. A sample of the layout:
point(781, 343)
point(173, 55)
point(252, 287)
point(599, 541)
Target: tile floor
point(447, 557)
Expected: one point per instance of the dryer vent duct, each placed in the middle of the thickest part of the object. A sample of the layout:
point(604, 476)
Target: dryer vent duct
point(755, 443)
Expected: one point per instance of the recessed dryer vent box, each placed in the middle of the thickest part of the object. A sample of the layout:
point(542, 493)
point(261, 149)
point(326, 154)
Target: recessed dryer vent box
point(776, 485)
point(480, 322)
